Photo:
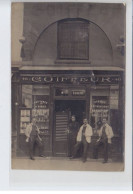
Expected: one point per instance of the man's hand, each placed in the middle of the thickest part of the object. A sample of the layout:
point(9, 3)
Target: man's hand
point(40, 139)
point(68, 131)
point(98, 140)
point(27, 139)
point(42, 132)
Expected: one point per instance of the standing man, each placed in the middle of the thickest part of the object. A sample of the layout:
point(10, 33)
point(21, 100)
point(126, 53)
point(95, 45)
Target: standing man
point(72, 134)
point(105, 135)
point(83, 138)
point(32, 133)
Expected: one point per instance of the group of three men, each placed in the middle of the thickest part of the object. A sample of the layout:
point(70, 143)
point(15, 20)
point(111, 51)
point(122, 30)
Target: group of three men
point(76, 138)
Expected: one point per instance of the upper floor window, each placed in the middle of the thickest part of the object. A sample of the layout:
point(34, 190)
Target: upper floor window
point(73, 40)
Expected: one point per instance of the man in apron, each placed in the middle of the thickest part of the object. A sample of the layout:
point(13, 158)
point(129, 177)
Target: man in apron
point(83, 138)
point(105, 135)
point(32, 133)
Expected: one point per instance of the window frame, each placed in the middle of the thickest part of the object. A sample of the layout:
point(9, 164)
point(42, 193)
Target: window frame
point(58, 40)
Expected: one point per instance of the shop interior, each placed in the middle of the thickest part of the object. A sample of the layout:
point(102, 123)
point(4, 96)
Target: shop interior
point(71, 107)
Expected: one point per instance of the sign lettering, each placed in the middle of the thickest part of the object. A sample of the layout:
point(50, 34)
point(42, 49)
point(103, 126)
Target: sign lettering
point(69, 79)
point(36, 79)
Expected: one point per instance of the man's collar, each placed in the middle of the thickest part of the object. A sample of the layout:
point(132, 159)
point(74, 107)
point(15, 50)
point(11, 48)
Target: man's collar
point(85, 125)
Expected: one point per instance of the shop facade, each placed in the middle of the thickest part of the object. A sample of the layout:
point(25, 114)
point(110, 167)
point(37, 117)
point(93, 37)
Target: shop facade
point(53, 97)
point(72, 63)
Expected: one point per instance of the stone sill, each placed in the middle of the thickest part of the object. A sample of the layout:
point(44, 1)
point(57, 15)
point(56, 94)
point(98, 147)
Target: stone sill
point(72, 62)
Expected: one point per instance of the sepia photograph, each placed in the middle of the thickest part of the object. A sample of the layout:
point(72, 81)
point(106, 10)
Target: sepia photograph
point(68, 86)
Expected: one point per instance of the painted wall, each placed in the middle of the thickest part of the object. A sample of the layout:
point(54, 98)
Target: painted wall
point(16, 31)
point(100, 50)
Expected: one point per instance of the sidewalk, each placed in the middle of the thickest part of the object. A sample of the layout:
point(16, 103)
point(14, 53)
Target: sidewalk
point(53, 163)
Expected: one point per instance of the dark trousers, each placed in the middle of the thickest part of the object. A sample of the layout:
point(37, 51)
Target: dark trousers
point(85, 149)
point(32, 142)
point(71, 144)
point(98, 144)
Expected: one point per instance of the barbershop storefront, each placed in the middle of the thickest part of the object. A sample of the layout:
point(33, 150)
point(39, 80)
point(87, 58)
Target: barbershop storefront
point(52, 97)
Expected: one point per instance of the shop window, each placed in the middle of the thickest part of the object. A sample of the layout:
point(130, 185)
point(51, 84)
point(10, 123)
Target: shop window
point(104, 102)
point(41, 111)
point(114, 95)
point(29, 90)
point(73, 40)
point(40, 90)
point(99, 106)
point(114, 109)
point(27, 96)
point(35, 103)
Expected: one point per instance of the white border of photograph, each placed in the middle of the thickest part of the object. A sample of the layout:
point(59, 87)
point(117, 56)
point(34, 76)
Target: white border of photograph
point(58, 180)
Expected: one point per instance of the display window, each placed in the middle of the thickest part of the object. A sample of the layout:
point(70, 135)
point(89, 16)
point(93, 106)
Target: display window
point(104, 103)
point(35, 103)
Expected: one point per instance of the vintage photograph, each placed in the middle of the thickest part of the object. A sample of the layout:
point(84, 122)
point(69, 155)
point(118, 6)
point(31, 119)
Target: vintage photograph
point(68, 86)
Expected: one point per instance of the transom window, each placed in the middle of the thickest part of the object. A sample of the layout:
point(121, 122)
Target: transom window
point(73, 40)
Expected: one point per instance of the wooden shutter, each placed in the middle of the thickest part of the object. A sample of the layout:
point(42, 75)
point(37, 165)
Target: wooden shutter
point(61, 126)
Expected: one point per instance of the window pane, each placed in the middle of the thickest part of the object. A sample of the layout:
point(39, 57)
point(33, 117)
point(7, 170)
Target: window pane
point(73, 40)
point(114, 97)
point(29, 90)
point(40, 90)
point(27, 96)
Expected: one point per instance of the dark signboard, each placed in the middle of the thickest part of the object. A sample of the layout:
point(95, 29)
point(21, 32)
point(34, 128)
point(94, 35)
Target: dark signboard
point(48, 79)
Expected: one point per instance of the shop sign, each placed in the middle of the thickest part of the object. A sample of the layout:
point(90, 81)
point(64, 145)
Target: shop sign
point(69, 79)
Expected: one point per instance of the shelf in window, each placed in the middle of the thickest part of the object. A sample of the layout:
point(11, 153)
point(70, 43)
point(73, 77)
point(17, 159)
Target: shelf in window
point(42, 121)
point(25, 121)
point(44, 129)
point(41, 108)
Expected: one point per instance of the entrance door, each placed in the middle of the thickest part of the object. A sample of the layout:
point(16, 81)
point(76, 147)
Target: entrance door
point(64, 109)
point(61, 125)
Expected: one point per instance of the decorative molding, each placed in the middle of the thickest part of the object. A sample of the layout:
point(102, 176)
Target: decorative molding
point(50, 67)
point(121, 46)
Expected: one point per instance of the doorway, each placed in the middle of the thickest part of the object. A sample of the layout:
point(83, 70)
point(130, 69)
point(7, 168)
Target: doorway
point(64, 109)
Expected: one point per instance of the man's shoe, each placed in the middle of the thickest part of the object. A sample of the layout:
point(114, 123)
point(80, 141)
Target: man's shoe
point(32, 158)
point(83, 160)
point(104, 161)
point(41, 155)
point(72, 157)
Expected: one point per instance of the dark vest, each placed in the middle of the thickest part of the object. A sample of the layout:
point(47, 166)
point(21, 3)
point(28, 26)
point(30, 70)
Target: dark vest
point(34, 130)
point(83, 133)
point(104, 136)
point(74, 127)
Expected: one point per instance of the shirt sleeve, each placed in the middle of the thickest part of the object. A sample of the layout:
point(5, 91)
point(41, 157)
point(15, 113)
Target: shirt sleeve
point(79, 134)
point(111, 134)
point(27, 130)
point(38, 130)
